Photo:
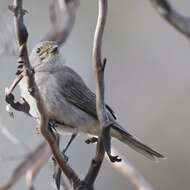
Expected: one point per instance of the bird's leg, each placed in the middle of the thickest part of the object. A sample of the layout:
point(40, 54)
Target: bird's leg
point(69, 143)
point(52, 127)
point(107, 144)
point(57, 169)
point(52, 124)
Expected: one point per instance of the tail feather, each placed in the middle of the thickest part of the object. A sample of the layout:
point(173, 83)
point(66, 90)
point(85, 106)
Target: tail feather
point(122, 135)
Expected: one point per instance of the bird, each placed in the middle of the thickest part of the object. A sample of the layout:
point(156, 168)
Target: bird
point(69, 101)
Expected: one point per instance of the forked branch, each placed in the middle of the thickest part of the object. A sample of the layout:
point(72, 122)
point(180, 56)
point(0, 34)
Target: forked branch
point(60, 35)
point(22, 36)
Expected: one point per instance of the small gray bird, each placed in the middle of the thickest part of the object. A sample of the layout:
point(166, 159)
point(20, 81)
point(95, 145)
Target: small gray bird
point(68, 100)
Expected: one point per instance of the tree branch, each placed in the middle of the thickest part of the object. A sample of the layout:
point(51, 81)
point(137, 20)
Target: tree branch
point(60, 36)
point(22, 36)
point(99, 67)
point(100, 105)
point(174, 18)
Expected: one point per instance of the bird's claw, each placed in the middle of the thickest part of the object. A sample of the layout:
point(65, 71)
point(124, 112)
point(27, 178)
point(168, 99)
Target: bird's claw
point(91, 140)
point(114, 158)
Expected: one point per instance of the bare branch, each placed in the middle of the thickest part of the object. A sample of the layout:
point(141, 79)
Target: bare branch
point(100, 105)
point(99, 66)
point(22, 36)
point(177, 20)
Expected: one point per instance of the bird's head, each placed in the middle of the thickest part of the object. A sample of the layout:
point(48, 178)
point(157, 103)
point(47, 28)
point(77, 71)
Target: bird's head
point(44, 54)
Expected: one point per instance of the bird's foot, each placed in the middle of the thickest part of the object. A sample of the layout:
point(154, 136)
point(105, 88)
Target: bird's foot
point(114, 158)
point(91, 140)
point(106, 135)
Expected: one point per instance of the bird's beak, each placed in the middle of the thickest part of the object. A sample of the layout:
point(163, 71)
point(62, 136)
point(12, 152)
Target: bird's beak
point(54, 49)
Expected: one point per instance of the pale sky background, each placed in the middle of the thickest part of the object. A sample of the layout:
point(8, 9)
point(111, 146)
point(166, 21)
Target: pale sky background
point(147, 84)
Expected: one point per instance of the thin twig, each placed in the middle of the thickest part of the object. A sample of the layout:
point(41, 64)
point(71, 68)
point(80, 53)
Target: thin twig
point(177, 20)
point(99, 66)
point(100, 105)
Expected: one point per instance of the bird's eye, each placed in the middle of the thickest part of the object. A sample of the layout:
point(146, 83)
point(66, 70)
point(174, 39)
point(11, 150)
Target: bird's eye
point(38, 50)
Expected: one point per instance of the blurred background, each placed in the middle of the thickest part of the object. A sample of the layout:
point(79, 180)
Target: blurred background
point(147, 84)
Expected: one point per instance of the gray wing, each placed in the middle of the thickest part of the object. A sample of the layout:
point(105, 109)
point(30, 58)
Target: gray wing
point(76, 92)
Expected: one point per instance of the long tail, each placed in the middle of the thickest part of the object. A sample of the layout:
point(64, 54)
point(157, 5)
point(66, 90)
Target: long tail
point(122, 135)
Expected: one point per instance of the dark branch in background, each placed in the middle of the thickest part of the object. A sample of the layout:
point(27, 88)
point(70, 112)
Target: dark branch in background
point(31, 165)
point(61, 28)
point(177, 20)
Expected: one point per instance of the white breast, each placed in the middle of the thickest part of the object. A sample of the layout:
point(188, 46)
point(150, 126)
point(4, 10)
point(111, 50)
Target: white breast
point(30, 100)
